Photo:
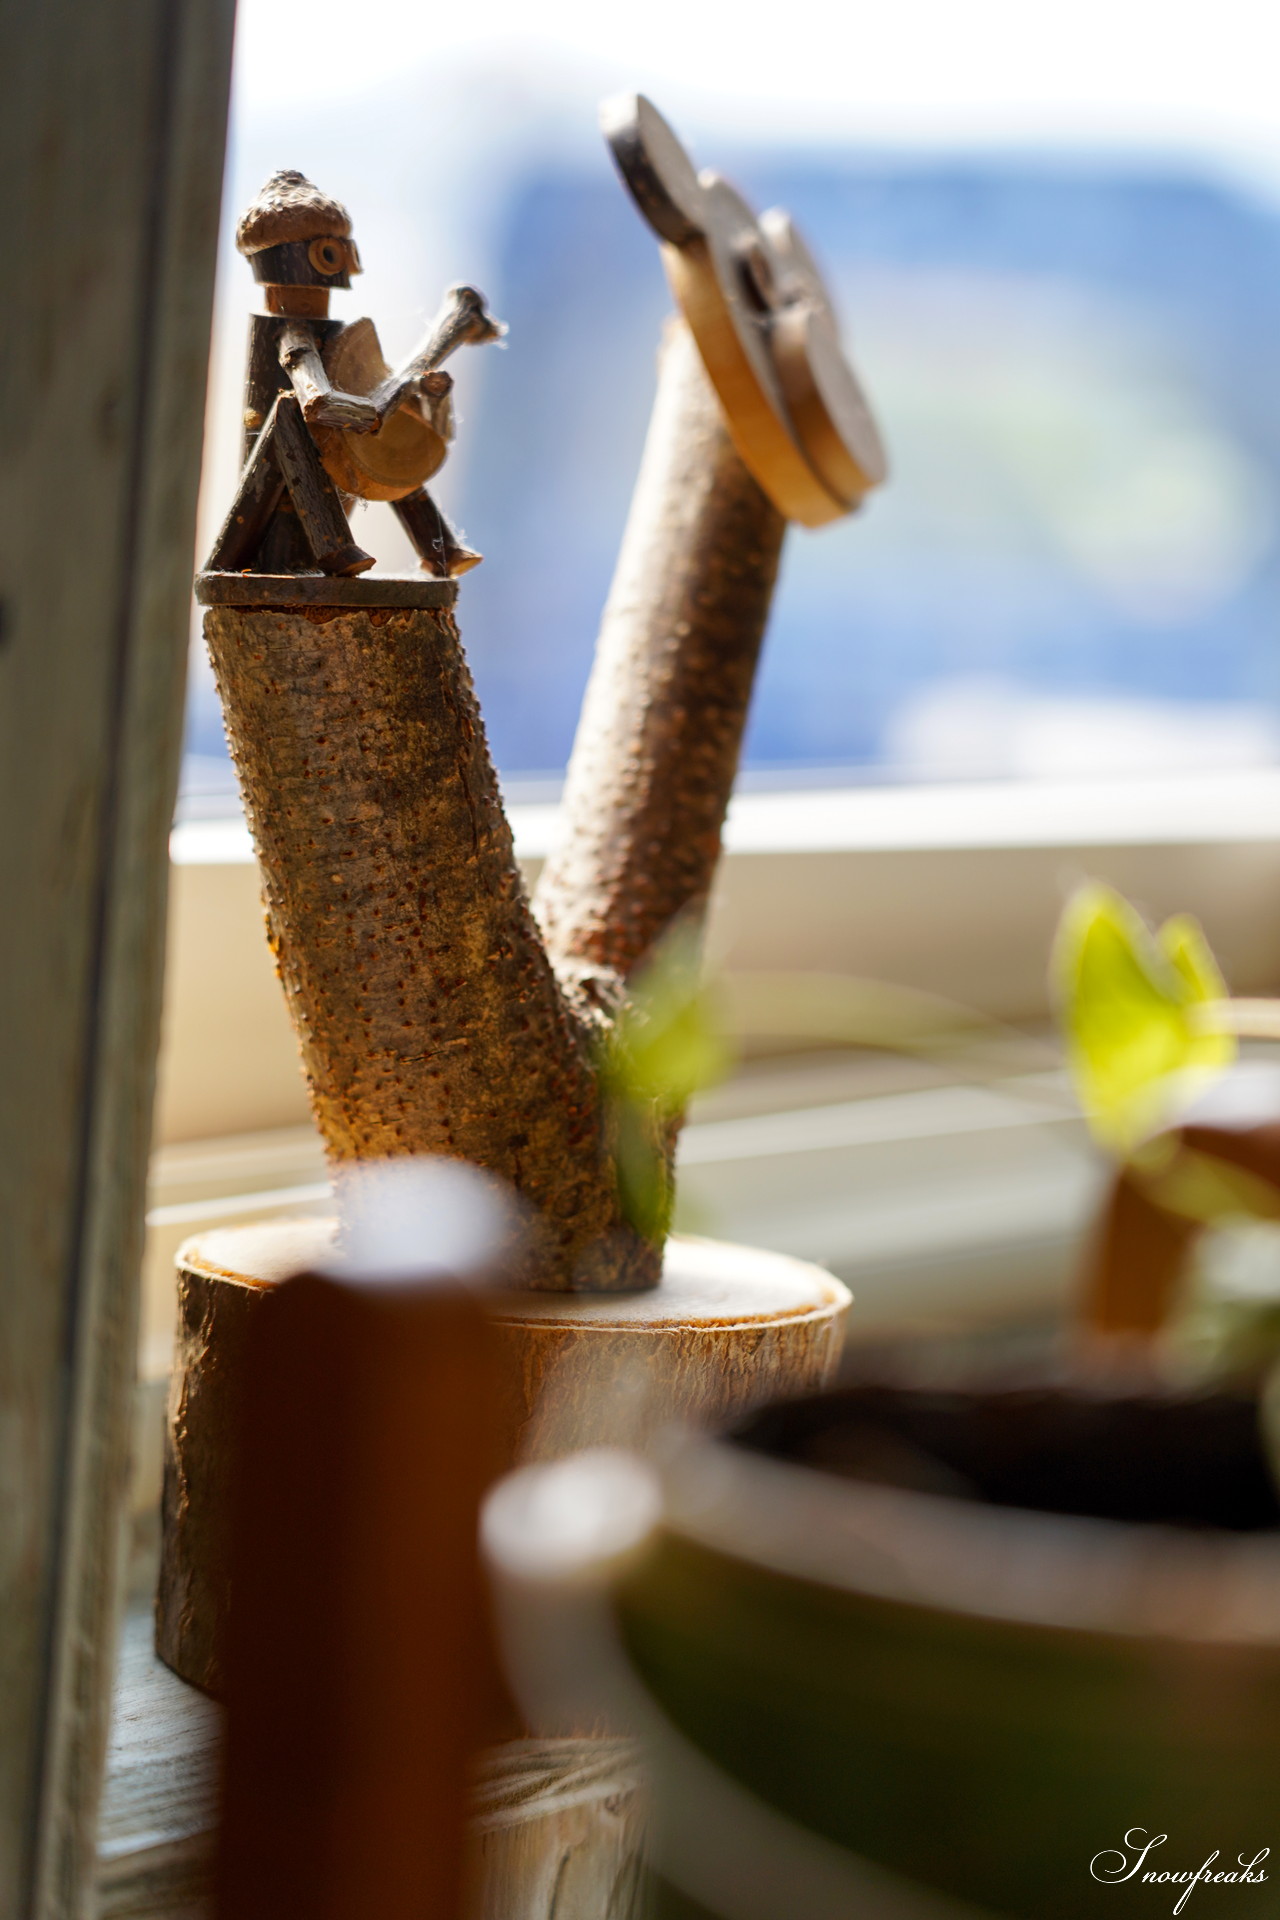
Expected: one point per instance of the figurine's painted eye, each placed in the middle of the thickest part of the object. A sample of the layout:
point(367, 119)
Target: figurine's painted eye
point(326, 256)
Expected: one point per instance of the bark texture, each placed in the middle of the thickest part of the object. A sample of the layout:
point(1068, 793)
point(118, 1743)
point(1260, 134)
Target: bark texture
point(658, 742)
point(429, 1018)
point(193, 1598)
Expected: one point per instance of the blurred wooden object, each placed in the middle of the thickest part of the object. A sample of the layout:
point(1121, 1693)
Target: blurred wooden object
point(361, 1673)
point(1135, 1263)
point(730, 1327)
point(112, 126)
point(1138, 1257)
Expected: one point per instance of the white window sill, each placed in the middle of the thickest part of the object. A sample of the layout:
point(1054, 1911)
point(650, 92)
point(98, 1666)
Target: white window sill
point(1170, 810)
point(952, 890)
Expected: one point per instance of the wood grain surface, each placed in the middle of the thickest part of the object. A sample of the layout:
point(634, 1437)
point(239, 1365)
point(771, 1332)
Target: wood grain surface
point(159, 1807)
point(406, 449)
point(557, 1831)
point(556, 1825)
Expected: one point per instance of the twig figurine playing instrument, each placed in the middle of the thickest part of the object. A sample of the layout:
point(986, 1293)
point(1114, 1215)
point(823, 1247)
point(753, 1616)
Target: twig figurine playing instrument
point(324, 416)
point(437, 1009)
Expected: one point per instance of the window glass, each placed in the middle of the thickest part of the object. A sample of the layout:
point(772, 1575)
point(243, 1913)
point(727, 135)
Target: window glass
point(1073, 347)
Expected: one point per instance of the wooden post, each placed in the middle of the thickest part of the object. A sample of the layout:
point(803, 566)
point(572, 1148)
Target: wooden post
point(362, 1674)
point(1139, 1254)
point(112, 121)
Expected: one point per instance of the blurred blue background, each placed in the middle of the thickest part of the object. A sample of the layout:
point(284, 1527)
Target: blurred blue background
point(1078, 374)
point(1073, 346)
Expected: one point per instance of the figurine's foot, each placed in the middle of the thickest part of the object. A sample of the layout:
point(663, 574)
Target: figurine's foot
point(442, 552)
point(347, 560)
point(460, 560)
point(449, 560)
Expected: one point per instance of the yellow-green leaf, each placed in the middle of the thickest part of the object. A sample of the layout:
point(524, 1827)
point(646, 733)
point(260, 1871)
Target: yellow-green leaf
point(669, 1042)
point(1183, 943)
point(1126, 995)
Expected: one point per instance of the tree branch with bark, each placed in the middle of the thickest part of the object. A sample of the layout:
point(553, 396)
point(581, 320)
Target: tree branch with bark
point(438, 1011)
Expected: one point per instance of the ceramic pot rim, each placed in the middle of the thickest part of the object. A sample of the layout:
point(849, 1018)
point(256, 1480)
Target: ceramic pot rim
point(962, 1557)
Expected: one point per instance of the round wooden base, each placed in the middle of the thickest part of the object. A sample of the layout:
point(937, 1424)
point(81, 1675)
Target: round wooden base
point(370, 590)
point(728, 1328)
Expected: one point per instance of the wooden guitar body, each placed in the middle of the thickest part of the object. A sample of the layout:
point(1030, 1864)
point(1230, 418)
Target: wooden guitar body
point(405, 451)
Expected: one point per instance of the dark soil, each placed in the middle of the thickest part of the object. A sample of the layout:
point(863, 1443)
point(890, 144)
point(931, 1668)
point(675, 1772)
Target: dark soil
point(1180, 1459)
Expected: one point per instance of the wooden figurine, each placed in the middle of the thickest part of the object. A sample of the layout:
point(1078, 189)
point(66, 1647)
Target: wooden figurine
point(324, 416)
point(438, 1012)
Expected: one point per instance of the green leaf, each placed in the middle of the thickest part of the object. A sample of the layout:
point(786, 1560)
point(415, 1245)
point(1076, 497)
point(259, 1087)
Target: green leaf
point(675, 1053)
point(1135, 1050)
point(669, 1042)
point(1183, 943)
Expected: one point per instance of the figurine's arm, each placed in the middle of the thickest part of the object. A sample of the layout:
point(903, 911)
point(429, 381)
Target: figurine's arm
point(463, 320)
point(323, 405)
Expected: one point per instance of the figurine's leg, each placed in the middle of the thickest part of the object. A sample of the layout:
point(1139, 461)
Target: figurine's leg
point(314, 496)
point(257, 498)
point(284, 458)
point(437, 545)
point(283, 547)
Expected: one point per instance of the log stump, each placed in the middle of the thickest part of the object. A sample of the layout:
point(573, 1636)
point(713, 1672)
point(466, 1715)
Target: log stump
point(730, 1328)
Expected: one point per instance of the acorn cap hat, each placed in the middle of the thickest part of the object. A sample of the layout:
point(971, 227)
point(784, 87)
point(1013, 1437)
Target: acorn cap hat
point(288, 207)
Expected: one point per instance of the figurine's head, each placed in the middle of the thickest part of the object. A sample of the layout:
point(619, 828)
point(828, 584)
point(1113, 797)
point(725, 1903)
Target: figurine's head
point(296, 238)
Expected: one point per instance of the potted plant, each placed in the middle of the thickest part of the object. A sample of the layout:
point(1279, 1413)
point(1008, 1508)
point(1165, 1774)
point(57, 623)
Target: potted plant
point(937, 1643)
